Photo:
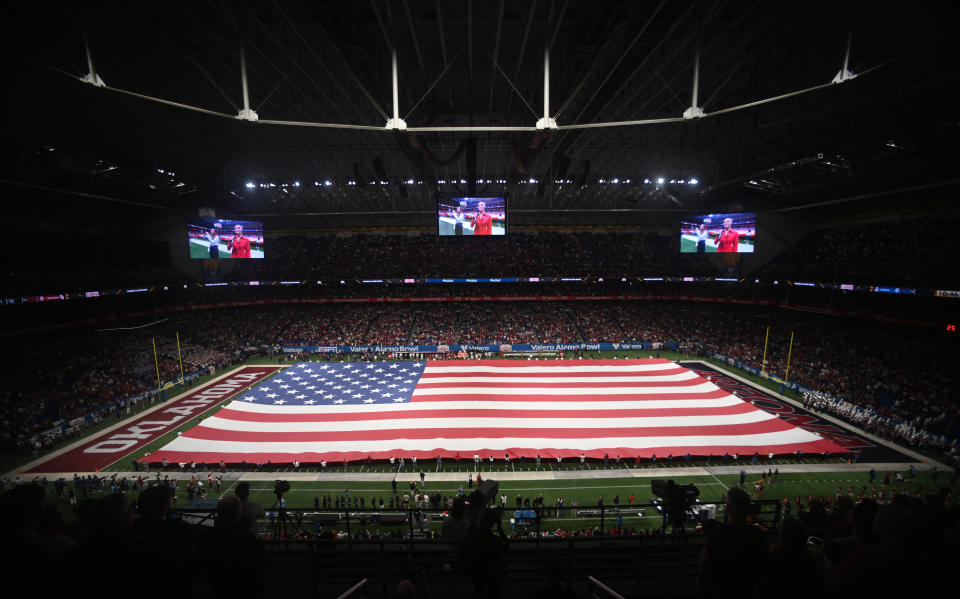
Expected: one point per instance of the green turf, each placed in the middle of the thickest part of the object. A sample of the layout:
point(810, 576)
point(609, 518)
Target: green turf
point(200, 251)
point(690, 246)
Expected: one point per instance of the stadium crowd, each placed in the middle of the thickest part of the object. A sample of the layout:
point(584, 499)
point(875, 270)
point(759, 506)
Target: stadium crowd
point(913, 253)
point(909, 253)
point(88, 375)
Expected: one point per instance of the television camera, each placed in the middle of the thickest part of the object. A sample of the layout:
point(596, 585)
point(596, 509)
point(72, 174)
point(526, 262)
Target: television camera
point(676, 500)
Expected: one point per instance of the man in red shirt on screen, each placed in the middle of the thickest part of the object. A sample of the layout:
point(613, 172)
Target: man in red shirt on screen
point(482, 222)
point(728, 239)
point(239, 245)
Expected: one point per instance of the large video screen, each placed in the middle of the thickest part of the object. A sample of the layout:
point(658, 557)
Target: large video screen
point(225, 239)
point(733, 232)
point(472, 216)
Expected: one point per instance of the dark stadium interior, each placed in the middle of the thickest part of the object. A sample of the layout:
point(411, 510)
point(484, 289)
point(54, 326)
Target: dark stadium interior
point(834, 122)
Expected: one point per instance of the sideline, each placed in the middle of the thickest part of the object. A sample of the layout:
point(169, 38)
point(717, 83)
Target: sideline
point(549, 475)
point(923, 462)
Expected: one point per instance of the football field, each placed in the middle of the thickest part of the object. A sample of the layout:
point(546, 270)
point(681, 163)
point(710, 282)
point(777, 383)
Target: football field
point(580, 483)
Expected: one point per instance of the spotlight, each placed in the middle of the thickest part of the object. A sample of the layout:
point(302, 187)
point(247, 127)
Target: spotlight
point(693, 181)
point(659, 180)
point(296, 184)
point(250, 185)
point(616, 180)
point(327, 182)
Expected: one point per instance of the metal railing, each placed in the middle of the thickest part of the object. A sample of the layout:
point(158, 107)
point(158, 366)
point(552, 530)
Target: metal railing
point(421, 522)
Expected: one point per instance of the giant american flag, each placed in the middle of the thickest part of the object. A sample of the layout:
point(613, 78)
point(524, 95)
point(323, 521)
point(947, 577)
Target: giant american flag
point(560, 408)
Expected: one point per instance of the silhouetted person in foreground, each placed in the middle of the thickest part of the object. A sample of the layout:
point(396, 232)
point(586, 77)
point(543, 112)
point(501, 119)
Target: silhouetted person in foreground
point(735, 553)
point(791, 560)
point(484, 555)
point(237, 558)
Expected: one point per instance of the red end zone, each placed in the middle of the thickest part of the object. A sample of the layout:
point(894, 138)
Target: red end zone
point(110, 446)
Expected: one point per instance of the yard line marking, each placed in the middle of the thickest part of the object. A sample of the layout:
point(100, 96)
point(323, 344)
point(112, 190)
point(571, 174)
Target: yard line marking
point(719, 481)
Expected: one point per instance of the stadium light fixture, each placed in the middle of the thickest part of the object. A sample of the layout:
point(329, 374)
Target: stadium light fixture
point(616, 180)
point(409, 181)
point(250, 185)
point(160, 170)
point(659, 180)
point(693, 181)
point(296, 184)
point(327, 182)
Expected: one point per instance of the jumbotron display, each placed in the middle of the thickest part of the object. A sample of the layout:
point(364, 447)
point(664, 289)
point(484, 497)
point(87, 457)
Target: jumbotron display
point(726, 233)
point(223, 238)
point(472, 216)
